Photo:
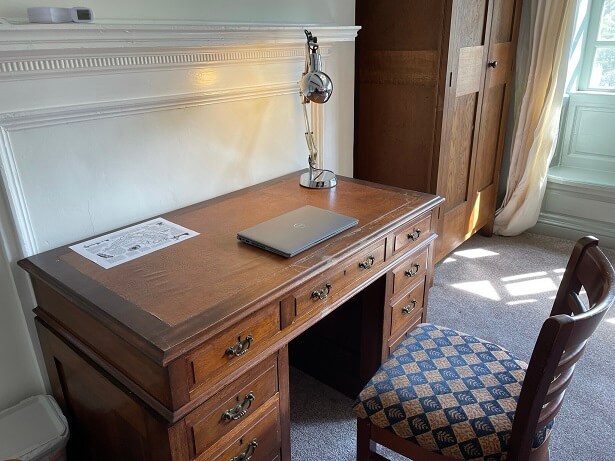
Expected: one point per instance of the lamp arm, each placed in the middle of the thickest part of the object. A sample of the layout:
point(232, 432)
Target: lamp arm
point(309, 136)
point(306, 68)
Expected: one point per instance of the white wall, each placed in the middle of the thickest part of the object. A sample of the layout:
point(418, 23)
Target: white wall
point(338, 12)
point(100, 144)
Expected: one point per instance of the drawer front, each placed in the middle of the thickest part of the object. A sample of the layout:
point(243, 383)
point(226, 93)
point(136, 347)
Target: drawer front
point(234, 346)
point(364, 262)
point(259, 442)
point(317, 292)
point(232, 405)
point(412, 322)
point(412, 269)
point(413, 234)
point(406, 308)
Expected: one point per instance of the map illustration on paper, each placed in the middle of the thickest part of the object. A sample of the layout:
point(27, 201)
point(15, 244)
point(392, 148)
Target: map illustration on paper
point(133, 242)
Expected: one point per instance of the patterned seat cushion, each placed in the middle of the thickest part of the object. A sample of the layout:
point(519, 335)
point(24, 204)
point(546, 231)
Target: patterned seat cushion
point(448, 392)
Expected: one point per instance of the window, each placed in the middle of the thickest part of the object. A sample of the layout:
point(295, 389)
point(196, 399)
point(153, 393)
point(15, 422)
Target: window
point(586, 146)
point(598, 72)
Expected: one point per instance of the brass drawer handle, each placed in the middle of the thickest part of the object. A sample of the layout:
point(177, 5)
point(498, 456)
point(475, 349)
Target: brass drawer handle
point(414, 269)
point(240, 348)
point(322, 293)
point(409, 307)
point(246, 455)
point(414, 235)
point(233, 414)
point(369, 262)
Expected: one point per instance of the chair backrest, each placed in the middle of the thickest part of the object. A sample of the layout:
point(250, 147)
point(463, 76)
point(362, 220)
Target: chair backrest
point(561, 342)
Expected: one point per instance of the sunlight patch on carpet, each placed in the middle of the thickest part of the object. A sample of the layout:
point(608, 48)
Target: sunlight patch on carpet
point(523, 276)
point(475, 253)
point(482, 288)
point(521, 301)
point(531, 287)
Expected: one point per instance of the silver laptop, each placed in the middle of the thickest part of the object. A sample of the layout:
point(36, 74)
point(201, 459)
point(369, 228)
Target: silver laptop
point(297, 230)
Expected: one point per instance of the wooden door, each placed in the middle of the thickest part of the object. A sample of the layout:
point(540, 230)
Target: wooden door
point(498, 78)
point(398, 94)
point(467, 55)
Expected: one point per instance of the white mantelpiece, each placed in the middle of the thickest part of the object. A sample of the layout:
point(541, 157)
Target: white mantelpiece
point(22, 37)
point(51, 49)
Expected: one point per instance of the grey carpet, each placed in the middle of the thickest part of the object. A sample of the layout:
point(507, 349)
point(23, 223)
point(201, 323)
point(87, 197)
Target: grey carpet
point(500, 289)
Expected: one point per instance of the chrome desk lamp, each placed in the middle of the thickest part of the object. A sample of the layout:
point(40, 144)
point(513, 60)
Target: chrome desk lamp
point(315, 86)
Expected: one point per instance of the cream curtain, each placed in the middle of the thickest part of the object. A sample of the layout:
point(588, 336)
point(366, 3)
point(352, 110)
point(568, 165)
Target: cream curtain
point(550, 25)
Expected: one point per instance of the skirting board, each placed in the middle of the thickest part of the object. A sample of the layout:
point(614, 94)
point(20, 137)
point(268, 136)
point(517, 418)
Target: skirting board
point(574, 206)
point(572, 228)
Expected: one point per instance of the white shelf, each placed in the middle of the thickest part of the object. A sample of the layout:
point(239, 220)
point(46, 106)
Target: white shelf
point(47, 38)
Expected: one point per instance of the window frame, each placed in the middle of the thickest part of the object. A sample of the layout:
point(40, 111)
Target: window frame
point(592, 44)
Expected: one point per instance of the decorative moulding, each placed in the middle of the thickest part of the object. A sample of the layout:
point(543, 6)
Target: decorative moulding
point(47, 37)
point(45, 50)
point(16, 198)
point(37, 67)
point(27, 119)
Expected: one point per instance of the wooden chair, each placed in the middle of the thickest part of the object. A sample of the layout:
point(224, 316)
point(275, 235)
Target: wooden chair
point(445, 395)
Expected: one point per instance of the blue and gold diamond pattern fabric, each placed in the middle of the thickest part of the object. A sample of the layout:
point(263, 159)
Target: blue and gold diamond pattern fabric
point(448, 392)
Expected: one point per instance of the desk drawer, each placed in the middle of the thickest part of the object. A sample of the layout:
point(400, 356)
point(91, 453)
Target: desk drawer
point(233, 347)
point(412, 269)
point(257, 442)
point(317, 292)
point(232, 405)
point(410, 324)
point(412, 234)
point(406, 308)
point(363, 262)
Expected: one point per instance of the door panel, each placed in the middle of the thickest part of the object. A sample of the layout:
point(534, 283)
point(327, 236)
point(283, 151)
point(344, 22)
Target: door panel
point(397, 96)
point(490, 126)
point(494, 114)
point(456, 223)
point(398, 91)
point(460, 149)
point(503, 19)
point(469, 22)
point(463, 99)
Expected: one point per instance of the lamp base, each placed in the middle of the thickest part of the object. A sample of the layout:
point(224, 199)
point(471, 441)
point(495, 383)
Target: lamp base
point(318, 180)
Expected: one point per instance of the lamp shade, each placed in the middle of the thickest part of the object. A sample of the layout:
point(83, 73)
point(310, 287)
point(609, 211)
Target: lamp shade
point(315, 85)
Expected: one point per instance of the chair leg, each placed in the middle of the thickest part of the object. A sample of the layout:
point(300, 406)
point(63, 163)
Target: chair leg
point(364, 441)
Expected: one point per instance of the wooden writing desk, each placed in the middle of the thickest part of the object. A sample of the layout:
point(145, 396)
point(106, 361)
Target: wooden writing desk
point(183, 353)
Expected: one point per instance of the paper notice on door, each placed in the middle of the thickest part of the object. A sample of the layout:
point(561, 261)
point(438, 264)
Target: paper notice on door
point(133, 242)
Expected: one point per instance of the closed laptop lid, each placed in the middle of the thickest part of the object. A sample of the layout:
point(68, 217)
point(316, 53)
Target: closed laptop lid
point(297, 230)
